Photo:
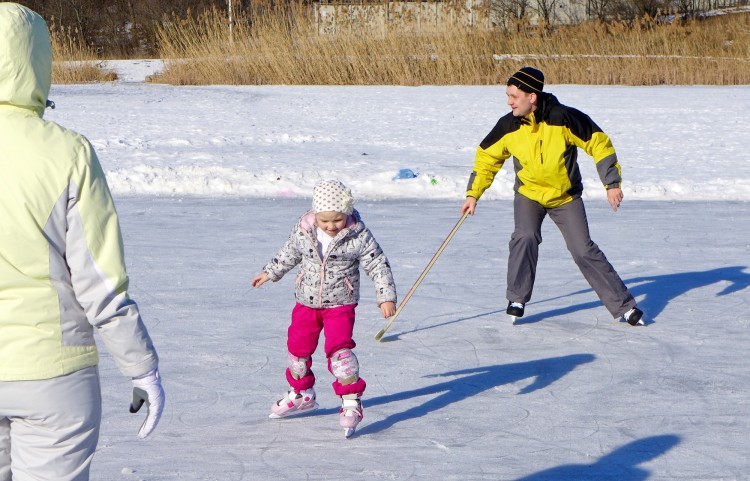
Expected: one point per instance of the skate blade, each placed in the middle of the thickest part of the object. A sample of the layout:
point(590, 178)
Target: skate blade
point(640, 322)
point(349, 432)
point(291, 414)
point(514, 320)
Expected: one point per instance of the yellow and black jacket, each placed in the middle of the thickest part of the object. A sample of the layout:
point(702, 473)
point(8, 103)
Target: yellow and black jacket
point(545, 153)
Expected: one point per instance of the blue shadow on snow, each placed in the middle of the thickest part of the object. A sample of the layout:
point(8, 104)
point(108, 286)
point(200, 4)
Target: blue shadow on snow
point(472, 382)
point(619, 465)
point(657, 291)
point(395, 337)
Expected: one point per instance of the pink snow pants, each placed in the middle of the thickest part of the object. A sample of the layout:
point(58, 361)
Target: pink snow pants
point(337, 324)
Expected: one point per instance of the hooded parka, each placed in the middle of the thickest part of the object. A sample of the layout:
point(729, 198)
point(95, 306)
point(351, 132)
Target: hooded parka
point(62, 270)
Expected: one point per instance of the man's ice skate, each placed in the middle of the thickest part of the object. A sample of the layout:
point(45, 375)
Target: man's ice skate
point(294, 404)
point(515, 311)
point(634, 317)
point(350, 414)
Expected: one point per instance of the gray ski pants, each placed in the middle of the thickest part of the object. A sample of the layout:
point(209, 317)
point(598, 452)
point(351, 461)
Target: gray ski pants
point(571, 219)
point(49, 428)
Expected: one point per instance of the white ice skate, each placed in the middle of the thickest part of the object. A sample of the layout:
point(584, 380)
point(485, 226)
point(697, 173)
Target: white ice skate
point(294, 404)
point(350, 415)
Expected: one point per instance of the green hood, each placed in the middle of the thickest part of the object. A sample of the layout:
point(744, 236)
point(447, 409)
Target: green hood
point(25, 58)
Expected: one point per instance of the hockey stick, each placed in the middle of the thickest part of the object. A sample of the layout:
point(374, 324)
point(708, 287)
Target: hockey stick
point(381, 332)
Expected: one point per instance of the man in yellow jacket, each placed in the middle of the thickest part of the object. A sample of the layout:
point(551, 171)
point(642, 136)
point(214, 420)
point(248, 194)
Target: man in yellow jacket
point(62, 277)
point(544, 136)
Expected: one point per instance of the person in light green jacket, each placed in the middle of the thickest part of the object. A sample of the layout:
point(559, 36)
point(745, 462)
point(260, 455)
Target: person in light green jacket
point(62, 277)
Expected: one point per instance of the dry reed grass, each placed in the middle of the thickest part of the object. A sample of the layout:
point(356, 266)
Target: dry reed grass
point(285, 48)
point(73, 61)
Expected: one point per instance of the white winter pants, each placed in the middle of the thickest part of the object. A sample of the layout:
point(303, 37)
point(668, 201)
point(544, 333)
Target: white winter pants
point(49, 428)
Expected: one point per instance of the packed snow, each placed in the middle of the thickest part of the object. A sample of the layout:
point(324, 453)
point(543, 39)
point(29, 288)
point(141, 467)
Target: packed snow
point(209, 181)
point(675, 143)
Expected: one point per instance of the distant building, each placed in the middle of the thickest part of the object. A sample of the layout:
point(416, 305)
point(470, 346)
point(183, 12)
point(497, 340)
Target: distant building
point(379, 15)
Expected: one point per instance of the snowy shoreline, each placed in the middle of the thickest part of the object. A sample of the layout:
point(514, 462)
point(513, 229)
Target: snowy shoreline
point(674, 143)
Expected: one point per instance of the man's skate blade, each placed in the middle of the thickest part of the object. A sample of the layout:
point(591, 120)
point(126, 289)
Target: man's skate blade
point(639, 321)
point(514, 320)
point(349, 432)
point(292, 414)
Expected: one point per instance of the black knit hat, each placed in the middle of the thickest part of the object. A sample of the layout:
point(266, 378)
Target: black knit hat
point(528, 79)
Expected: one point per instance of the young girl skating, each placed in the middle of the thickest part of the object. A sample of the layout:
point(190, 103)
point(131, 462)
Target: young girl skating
point(330, 242)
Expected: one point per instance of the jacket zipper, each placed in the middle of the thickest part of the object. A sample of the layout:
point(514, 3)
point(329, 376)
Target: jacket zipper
point(541, 153)
point(322, 282)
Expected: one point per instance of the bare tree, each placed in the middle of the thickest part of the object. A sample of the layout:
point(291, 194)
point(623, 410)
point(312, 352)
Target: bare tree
point(510, 13)
point(120, 27)
point(545, 10)
point(602, 9)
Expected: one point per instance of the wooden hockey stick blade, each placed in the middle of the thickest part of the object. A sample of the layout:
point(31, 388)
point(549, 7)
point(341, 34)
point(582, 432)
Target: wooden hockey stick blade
point(440, 250)
point(381, 332)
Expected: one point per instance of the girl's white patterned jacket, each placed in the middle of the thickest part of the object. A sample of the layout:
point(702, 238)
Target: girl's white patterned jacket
point(334, 279)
